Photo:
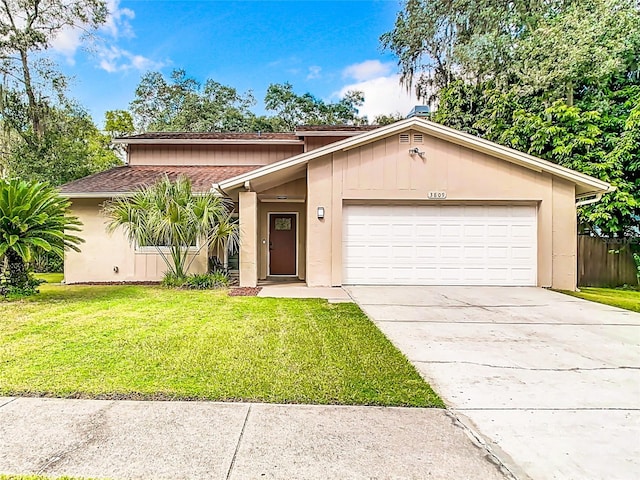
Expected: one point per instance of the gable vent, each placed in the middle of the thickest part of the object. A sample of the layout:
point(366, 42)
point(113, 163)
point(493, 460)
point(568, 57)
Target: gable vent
point(417, 138)
point(404, 138)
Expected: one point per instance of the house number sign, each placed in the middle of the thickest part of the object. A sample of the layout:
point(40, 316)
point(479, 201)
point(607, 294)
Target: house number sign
point(436, 195)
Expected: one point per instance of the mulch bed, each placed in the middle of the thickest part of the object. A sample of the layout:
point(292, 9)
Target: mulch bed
point(244, 291)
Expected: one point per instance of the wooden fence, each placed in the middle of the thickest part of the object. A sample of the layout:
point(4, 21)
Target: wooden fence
point(605, 262)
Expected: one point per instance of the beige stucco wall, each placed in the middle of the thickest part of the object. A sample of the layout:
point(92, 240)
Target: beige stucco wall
point(385, 171)
point(102, 252)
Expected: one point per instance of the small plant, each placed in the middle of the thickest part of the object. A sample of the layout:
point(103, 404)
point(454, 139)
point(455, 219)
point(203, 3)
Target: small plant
point(46, 262)
point(196, 281)
point(171, 280)
point(28, 288)
point(206, 281)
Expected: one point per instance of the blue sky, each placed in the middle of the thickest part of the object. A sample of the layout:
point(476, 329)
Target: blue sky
point(322, 47)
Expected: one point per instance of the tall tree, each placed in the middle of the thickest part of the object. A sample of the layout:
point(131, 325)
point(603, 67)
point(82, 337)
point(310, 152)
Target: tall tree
point(71, 147)
point(29, 26)
point(293, 109)
point(181, 103)
point(558, 79)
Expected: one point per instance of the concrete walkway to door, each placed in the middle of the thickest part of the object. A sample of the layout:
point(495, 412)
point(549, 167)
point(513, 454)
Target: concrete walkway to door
point(551, 382)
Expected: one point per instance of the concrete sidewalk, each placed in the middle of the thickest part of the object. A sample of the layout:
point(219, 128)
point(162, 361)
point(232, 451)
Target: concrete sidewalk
point(209, 440)
point(301, 290)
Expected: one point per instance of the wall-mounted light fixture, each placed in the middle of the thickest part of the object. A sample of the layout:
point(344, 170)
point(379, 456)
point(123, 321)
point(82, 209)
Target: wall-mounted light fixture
point(416, 151)
point(116, 269)
point(320, 212)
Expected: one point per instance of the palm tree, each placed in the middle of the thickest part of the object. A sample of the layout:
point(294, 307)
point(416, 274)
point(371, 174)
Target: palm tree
point(177, 222)
point(33, 217)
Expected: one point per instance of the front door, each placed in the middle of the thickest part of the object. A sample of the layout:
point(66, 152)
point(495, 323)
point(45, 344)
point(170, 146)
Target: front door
point(282, 244)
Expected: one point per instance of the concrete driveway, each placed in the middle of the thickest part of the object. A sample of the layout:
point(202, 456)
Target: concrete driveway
point(550, 382)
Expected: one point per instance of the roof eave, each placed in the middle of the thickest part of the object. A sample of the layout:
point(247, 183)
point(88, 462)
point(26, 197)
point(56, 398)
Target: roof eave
point(331, 133)
point(204, 141)
point(80, 195)
point(439, 131)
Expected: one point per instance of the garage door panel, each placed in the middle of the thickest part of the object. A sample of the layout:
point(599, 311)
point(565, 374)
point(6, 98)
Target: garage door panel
point(439, 245)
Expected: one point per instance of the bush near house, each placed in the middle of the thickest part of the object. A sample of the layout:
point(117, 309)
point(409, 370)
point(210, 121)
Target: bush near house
point(34, 218)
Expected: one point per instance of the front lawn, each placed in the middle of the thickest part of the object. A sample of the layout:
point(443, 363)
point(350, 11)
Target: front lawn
point(148, 342)
point(50, 277)
point(628, 299)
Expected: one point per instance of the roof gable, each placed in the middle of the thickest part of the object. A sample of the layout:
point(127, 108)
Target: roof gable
point(585, 183)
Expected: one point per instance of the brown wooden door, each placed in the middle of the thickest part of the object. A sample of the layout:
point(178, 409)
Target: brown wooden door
point(282, 244)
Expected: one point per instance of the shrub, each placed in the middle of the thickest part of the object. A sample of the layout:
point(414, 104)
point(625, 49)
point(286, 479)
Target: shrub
point(171, 280)
point(206, 281)
point(47, 262)
point(30, 287)
point(196, 281)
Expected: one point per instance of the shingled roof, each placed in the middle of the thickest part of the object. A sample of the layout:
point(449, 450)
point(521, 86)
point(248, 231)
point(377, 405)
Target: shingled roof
point(209, 137)
point(127, 179)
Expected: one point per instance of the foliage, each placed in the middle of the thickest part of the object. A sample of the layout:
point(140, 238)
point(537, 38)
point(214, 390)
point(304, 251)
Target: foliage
point(28, 27)
point(182, 104)
point(45, 137)
point(139, 342)
point(33, 218)
point(72, 147)
point(558, 79)
point(206, 281)
point(293, 109)
point(196, 281)
point(167, 216)
point(46, 262)
point(118, 123)
point(26, 288)
point(387, 119)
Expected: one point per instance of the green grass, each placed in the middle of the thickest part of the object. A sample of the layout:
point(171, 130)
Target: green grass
point(36, 477)
point(50, 277)
point(148, 342)
point(628, 299)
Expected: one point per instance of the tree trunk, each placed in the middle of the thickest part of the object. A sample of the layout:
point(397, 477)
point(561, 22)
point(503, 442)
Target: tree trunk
point(34, 113)
point(17, 270)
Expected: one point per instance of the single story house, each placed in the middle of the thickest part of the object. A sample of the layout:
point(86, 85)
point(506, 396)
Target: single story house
point(411, 203)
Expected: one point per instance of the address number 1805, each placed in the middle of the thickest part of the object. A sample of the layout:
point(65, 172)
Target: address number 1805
point(436, 195)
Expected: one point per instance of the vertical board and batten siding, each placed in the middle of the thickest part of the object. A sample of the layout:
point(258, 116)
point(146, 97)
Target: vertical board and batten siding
point(385, 173)
point(224, 155)
point(311, 143)
point(605, 262)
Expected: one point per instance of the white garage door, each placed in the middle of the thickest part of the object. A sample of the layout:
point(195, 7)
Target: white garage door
point(439, 245)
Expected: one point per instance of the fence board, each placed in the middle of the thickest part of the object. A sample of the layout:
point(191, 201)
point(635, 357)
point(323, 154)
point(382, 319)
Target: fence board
point(597, 267)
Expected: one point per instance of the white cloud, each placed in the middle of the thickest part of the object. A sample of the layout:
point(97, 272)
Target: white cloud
point(367, 70)
point(114, 59)
point(104, 43)
point(382, 95)
point(117, 24)
point(314, 72)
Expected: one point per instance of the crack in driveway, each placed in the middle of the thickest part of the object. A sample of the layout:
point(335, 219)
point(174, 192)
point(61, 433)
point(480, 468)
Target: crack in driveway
point(533, 369)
